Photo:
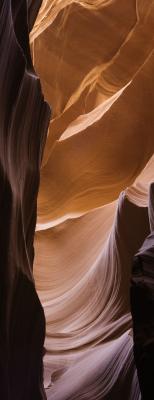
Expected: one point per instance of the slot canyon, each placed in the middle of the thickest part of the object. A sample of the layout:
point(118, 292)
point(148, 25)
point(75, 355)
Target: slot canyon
point(76, 200)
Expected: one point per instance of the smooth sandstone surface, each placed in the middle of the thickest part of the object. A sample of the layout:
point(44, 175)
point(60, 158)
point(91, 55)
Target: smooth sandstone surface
point(96, 62)
point(80, 178)
point(24, 119)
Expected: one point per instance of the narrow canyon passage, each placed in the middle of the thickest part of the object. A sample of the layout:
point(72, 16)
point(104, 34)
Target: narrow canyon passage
point(77, 199)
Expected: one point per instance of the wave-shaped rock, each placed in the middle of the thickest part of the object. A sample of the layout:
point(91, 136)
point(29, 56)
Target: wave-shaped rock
point(95, 60)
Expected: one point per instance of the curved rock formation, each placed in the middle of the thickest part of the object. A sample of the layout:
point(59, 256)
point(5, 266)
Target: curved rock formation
point(95, 60)
point(24, 118)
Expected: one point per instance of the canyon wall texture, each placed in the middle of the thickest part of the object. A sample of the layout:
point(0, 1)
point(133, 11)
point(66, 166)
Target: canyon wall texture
point(95, 60)
point(94, 241)
point(24, 118)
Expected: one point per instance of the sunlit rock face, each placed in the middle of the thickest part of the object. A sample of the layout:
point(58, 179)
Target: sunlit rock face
point(95, 61)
